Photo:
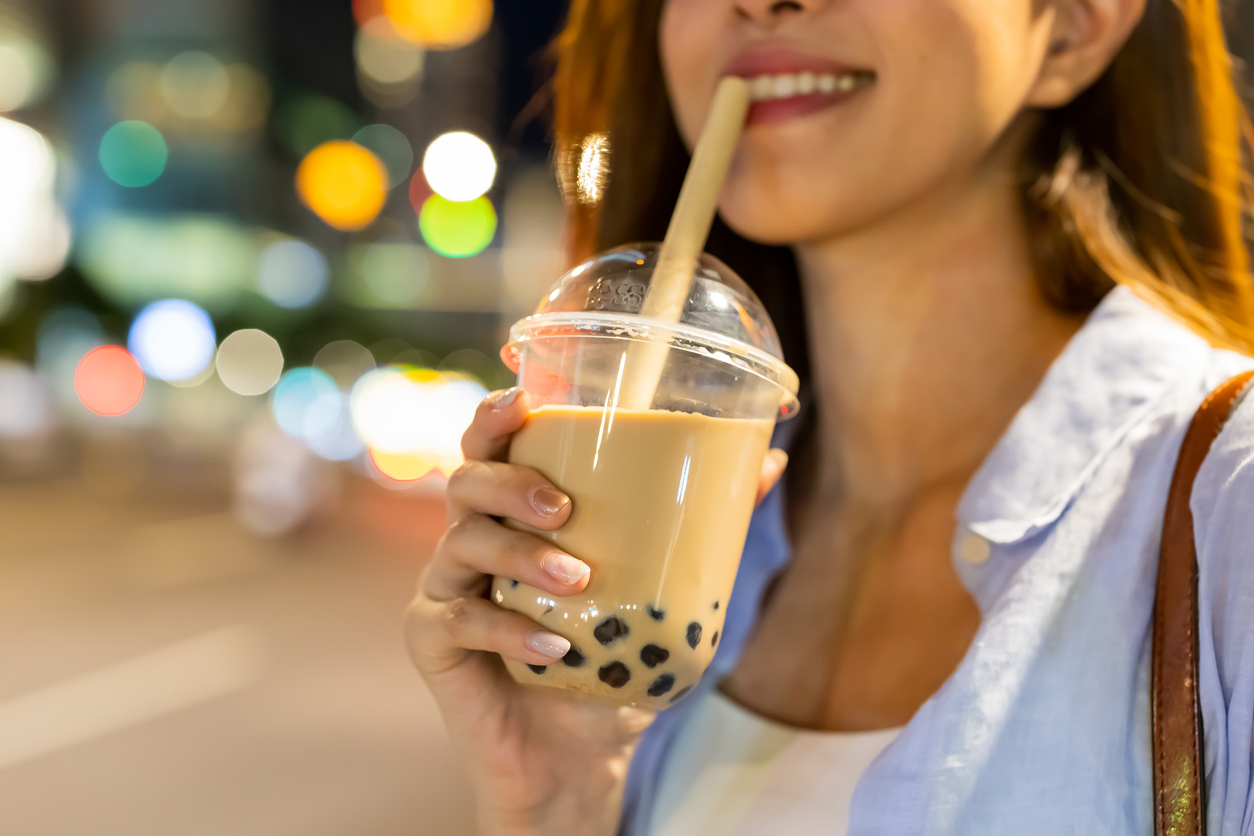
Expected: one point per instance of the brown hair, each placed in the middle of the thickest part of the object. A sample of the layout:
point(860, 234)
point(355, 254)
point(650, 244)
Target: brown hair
point(1140, 180)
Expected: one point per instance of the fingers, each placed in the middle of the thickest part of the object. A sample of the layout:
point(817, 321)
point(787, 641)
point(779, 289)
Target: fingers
point(498, 417)
point(503, 490)
point(772, 469)
point(476, 546)
point(440, 635)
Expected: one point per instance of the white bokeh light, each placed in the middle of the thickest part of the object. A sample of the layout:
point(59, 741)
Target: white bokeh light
point(172, 340)
point(292, 274)
point(459, 166)
point(250, 362)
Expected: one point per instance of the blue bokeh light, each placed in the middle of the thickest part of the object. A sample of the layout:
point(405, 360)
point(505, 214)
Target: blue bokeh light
point(172, 339)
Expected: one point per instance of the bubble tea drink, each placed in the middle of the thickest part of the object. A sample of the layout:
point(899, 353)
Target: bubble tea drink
point(661, 491)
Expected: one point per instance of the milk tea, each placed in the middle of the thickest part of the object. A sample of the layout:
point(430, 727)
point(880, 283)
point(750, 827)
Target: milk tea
point(660, 507)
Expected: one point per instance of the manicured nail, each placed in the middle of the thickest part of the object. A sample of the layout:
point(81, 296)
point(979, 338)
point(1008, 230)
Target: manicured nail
point(565, 568)
point(503, 398)
point(547, 501)
point(548, 644)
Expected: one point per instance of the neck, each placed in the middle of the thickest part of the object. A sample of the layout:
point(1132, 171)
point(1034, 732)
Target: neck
point(927, 333)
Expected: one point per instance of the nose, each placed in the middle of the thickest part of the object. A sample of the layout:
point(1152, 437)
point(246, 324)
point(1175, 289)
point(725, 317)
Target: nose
point(771, 12)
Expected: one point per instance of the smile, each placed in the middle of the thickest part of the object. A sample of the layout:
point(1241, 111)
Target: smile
point(765, 88)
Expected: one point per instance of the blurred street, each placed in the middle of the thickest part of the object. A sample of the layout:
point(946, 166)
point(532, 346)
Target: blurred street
point(167, 672)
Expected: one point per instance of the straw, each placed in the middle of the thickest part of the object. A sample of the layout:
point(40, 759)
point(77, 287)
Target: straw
point(685, 238)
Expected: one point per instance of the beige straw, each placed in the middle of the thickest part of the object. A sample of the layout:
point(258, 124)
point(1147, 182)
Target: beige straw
point(685, 237)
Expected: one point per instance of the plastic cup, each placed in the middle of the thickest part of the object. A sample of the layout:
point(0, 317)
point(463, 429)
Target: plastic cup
point(661, 497)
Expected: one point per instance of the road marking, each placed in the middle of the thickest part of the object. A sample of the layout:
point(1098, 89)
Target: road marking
point(129, 693)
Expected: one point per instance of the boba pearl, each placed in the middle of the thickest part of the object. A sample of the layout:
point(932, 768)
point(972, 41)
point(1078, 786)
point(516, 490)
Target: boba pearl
point(661, 685)
point(538, 668)
point(652, 655)
point(716, 606)
point(573, 658)
point(513, 584)
point(694, 635)
point(656, 615)
point(610, 629)
point(682, 692)
point(714, 639)
point(615, 674)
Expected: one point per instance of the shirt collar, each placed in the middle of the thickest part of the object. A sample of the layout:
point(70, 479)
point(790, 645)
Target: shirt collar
point(1106, 379)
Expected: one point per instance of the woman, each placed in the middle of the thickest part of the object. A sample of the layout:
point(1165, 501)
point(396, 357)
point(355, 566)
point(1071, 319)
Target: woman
point(955, 634)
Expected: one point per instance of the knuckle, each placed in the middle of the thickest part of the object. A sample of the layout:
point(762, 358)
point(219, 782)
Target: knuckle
point(459, 617)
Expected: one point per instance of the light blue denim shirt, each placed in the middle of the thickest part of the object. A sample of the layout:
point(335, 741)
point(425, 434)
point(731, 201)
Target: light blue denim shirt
point(1044, 728)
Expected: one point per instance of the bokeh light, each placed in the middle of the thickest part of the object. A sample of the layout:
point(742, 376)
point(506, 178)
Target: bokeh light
point(412, 419)
point(366, 11)
point(173, 339)
point(395, 274)
point(440, 24)
point(26, 71)
point(459, 166)
point(384, 58)
point(305, 122)
point(292, 274)
point(250, 362)
point(342, 183)
point(109, 381)
point(344, 361)
point(457, 229)
point(25, 405)
point(133, 153)
point(195, 84)
point(33, 238)
point(392, 149)
point(307, 403)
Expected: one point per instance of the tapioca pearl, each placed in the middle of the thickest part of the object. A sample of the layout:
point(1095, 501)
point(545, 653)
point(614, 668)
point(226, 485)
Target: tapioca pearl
point(694, 634)
point(656, 615)
point(610, 629)
point(573, 658)
point(716, 606)
point(615, 674)
point(681, 694)
point(714, 640)
point(661, 685)
point(538, 668)
point(652, 655)
point(513, 584)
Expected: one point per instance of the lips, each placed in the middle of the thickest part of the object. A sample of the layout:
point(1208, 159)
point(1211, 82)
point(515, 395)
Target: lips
point(785, 84)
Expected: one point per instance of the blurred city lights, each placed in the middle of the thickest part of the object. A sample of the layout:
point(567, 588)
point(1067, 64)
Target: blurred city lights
point(413, 419)
point(384, 58)
point(307, 403)
point(340, 443)
point(392, 149)
point(440, 24)
point(33, 231)
point(457, 229)
point(342, 183)
point(172, 339)
point(133, 153)
point(292, 274)
point(109, 381)
point(137, 258)
point(195, 84)
point(345, 361)
point(459, 166)
point(395, 274)
point(26, 71)
point(305, 122)
point(594, 167)
point(250, 362)
point(25, 407)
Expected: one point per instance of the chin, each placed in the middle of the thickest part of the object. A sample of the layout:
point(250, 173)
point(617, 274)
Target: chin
point(761, 222)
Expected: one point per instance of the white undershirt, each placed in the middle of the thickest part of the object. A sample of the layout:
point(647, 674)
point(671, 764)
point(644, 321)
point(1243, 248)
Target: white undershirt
point(733, 773)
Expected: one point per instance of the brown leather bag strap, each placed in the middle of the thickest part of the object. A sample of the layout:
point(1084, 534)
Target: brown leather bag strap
point(1179, 776)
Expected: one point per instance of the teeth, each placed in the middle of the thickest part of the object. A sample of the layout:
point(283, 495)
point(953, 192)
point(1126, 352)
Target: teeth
point(766, 87)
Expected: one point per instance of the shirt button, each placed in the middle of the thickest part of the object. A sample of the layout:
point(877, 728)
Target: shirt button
point(973, 548)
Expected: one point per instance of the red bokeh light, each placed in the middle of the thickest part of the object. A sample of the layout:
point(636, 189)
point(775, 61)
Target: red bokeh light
point(419, 190)
point(109, 380)
point(367, 10)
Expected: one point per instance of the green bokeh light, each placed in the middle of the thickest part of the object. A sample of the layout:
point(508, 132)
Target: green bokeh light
point(133, 153)
point(457, 229)
point(392, 149)
point(305, 122)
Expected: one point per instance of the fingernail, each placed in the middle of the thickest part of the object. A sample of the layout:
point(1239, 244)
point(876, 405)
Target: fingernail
point(548, 644)
point(565, 568)
point(547, 501)
point(503, 398)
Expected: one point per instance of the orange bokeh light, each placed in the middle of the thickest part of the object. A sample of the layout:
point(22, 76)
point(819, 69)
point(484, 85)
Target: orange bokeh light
point(405, 467)
point(343, 183)
point(108, 380)
point(439, 24)
point(367, 10)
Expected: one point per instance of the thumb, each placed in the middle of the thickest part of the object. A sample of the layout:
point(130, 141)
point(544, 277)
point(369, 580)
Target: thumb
point(772, 468)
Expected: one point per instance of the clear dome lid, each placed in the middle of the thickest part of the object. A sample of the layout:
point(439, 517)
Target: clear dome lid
point(722, 318)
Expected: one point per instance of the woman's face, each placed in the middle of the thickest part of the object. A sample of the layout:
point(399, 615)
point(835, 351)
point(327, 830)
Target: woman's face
point(862, 107)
